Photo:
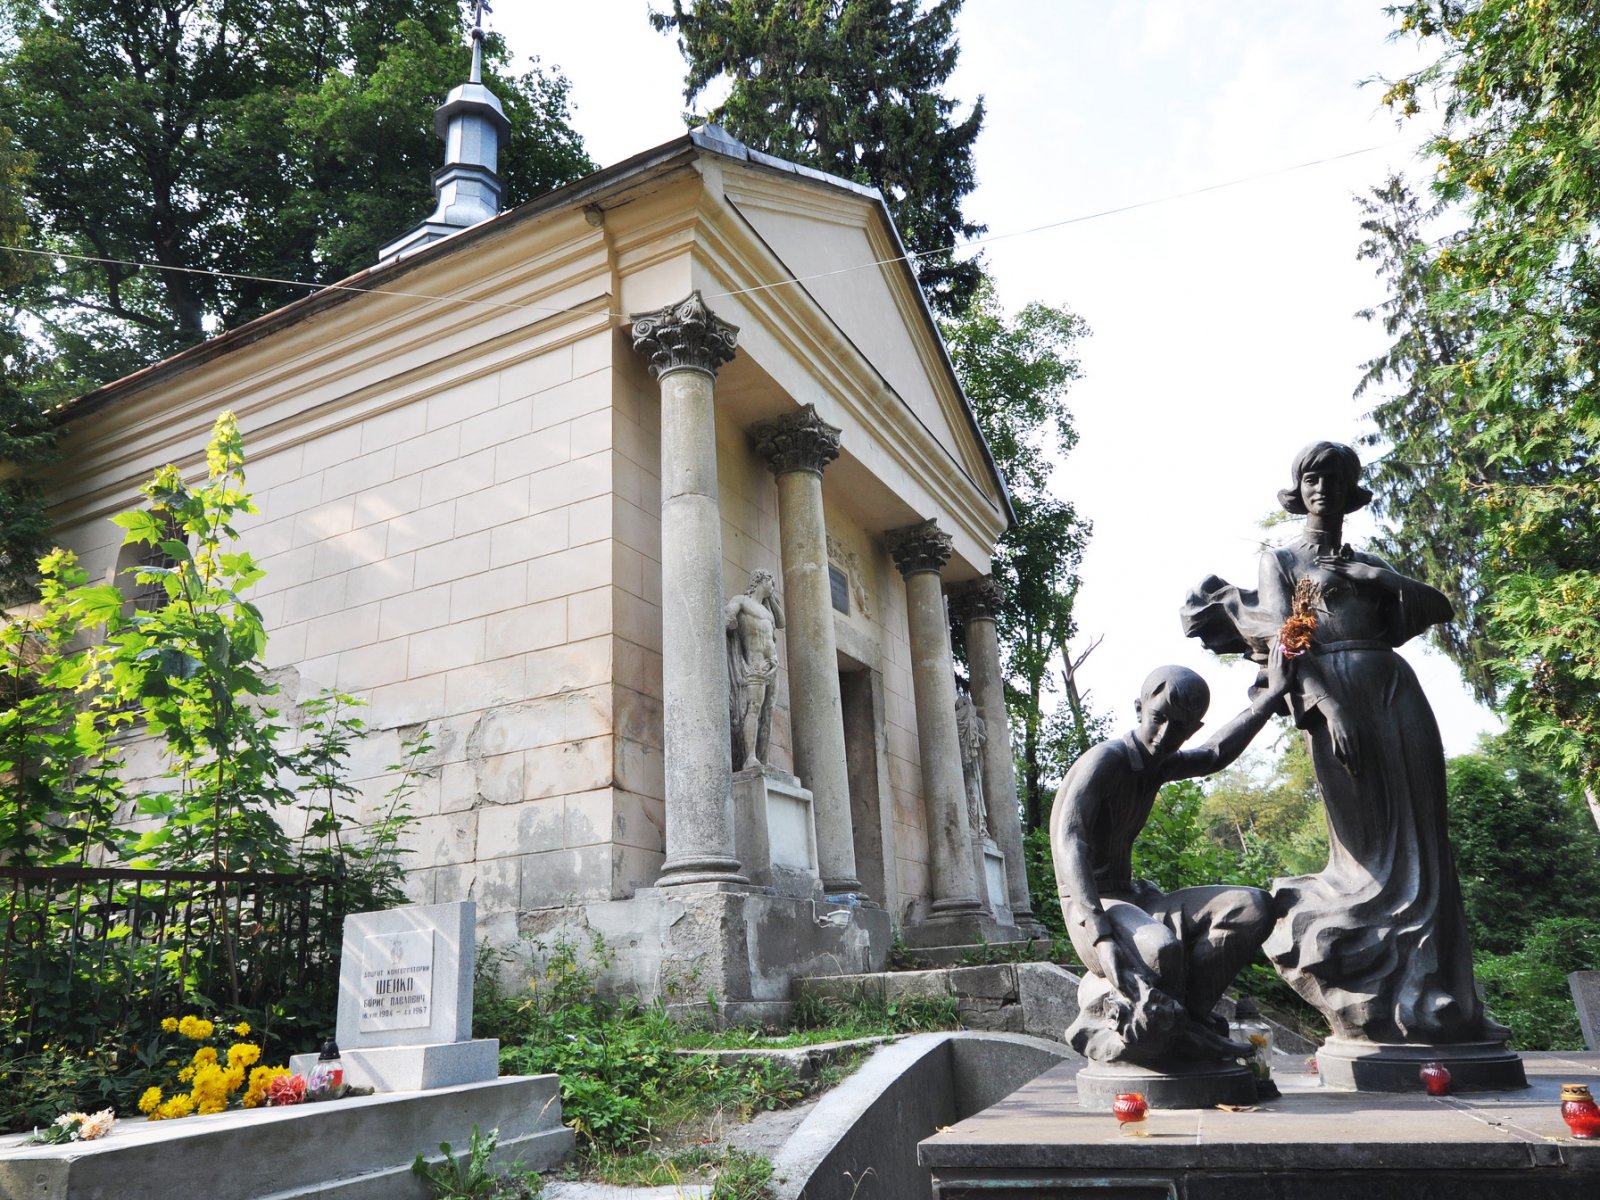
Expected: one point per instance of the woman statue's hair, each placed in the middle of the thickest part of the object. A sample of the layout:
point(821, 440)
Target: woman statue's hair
point(1327, 457)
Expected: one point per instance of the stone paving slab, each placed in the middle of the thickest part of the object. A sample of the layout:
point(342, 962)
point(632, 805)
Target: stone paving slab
point(1041, 1127)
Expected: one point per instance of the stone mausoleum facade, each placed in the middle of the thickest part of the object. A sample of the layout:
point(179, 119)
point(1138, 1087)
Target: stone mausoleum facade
point(509, 480)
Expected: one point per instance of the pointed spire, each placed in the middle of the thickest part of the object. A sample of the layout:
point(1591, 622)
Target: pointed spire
point(472, 125)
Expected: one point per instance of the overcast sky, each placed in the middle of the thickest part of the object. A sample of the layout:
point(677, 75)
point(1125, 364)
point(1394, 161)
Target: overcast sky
point(1224, 335)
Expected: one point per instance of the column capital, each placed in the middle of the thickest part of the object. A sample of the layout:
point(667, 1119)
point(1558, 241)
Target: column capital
point(920, 547)
point(686, 336)
point(979, 600)
point(797, 441)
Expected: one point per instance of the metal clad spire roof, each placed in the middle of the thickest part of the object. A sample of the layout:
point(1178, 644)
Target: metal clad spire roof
point(472, 126)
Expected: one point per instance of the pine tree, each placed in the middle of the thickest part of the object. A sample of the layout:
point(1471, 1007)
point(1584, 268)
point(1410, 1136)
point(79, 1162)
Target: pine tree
point(855, 88)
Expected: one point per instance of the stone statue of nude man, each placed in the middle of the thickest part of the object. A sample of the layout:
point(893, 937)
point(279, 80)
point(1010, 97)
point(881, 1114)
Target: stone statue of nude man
point(1157, 962)
point(752, 621)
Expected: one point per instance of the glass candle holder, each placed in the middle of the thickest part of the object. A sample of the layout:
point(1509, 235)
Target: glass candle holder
point(1129, 1107)
point(1579, 1111)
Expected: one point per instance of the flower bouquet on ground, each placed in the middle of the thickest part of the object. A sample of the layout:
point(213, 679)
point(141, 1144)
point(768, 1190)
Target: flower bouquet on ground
point(75, 1127)
point(221, 1071)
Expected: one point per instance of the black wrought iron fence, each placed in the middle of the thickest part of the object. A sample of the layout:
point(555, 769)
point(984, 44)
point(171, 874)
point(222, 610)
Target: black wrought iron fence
point(89, 952)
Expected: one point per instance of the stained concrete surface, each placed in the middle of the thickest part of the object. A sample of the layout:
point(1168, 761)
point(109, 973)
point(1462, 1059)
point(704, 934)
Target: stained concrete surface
point(1311, 1143)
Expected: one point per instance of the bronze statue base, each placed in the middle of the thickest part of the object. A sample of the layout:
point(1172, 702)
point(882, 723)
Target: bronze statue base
point(1351, 1066)
point(1173, 1085)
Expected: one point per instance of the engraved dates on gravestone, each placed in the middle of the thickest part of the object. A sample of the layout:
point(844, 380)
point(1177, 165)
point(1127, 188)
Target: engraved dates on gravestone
point(397, 980)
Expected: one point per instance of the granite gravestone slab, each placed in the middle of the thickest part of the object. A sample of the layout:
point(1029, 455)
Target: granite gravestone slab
point(405, 1000)
point(1585, 987)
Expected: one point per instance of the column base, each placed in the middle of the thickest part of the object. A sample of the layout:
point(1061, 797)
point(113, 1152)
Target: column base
point(1029, 925)
point(701, 869)
point(958, 929)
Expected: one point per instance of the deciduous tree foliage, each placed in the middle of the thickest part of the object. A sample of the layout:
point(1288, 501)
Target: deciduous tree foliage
point(1524, 850)
point(1016, 372)
point(855, 88)
point(282, 139)
point(1516, 402)
point(25, 434)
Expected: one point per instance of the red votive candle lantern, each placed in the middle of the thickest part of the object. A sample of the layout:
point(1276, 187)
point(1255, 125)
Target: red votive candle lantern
point(1436, 1078)
point(1579, 1111)
point(1130, 1107)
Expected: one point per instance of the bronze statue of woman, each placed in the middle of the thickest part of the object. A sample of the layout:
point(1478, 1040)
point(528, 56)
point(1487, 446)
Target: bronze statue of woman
point(1377, 940)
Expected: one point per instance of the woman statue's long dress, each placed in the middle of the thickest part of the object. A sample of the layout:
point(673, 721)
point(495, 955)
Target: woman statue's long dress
point(1377, 941)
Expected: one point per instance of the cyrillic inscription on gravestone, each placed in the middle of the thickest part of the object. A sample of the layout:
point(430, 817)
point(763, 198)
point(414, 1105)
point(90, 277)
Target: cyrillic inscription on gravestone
point(396, 984)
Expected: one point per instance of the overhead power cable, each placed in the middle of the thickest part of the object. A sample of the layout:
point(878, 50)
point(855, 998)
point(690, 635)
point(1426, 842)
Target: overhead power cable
point(909, 257)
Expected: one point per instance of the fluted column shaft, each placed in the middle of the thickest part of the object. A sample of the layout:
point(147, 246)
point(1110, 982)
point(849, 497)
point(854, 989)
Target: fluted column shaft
point(920, 551)
point(686, 343)
point(797, 448)
point(977, 606)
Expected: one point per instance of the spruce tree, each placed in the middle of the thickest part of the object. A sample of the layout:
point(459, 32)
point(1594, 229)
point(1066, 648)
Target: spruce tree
point(854, 88)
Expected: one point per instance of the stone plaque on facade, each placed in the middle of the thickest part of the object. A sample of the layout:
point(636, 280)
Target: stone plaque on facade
point(396, 980)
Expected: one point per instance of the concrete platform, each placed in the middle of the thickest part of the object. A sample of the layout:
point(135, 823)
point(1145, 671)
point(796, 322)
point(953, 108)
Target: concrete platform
point(354, 1149)
point(1313, 1144)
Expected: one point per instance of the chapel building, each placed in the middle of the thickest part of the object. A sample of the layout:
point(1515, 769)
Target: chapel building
point(511, 478)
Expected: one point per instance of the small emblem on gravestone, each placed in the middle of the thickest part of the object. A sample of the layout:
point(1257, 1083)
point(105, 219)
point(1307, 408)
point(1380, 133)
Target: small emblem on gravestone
point(397, 981)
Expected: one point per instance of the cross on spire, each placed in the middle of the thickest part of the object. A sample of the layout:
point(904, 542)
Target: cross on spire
point(479, 7)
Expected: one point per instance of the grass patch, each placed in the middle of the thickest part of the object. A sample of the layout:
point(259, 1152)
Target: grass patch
point(649, 1116)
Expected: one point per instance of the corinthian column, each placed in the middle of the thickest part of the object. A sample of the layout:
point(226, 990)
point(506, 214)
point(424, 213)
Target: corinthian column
point(798, 447)
point(686, 343)
point(976, 606)
point(920, 551)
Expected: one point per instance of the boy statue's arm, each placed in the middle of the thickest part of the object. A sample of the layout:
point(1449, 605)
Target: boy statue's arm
point(1230, 741)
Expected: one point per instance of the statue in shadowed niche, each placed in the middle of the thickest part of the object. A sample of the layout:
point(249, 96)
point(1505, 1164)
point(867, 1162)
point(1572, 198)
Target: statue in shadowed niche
point(973, 736)
point(1377, 940)
point(752, 621)
point(1157, 962)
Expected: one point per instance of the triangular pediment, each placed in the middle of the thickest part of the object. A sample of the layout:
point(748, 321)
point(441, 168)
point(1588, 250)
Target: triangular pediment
point(837, 245)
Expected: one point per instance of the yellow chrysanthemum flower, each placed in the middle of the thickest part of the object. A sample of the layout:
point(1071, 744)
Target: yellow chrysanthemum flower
point(188, 1025)
point(243, 1054)
point(204, 1056)
point(150, 1101)
point(242, 1029)
point(185, 1075)
point(211, 1104)
point(179, 1106)
point(169, 1024)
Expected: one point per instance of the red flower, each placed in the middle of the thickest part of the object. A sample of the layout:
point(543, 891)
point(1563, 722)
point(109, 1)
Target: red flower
point(286, 1089)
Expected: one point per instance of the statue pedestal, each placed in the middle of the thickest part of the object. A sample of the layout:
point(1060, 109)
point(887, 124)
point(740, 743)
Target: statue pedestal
point(991, 865)
point(776, 831)
point(1176, 1085)
point(1348, 1066)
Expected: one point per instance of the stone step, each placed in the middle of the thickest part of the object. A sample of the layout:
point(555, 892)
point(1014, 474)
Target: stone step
point(1029, 997)
point(354, 1149)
